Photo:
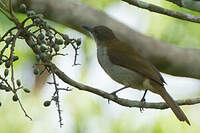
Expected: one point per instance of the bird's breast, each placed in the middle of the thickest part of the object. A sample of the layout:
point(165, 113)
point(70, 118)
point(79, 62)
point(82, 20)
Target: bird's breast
point(118, 73)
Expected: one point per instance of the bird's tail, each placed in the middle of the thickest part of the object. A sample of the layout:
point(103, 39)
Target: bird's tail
point(174, 106)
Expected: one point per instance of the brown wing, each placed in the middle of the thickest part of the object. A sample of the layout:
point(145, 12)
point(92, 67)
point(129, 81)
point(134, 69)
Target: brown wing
point(128, 57)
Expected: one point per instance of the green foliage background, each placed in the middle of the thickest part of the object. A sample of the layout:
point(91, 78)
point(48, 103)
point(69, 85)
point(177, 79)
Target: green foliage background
point(85, 108)
point(175, 31)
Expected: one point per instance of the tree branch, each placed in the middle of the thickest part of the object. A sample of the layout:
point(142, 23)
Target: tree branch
point(177, 2)
point(121, 101)
point(189, 4)
point(160, 10)
point(167, 58)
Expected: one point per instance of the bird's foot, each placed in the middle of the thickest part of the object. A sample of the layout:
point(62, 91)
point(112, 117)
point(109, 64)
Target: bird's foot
point(114, 93)
point(143, 101)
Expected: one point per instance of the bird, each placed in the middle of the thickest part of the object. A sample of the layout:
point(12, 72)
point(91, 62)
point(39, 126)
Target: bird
point(124, 64)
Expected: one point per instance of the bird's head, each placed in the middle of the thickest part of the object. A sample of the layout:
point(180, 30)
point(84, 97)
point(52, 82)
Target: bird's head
point(100, 33)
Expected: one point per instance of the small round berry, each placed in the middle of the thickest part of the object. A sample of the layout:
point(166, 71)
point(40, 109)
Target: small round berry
point(37, 57)
point(26, 90)
point(65, 37)
point(15, 98)
point(15, 58)
point(6, 71)
point(18, 83)
point(37, 21)
point(3, 87)
point(56, 47)
point(31, 43)
point(47, 103)
point(78, 42)
point(43, 48)
point(23, 7)
point(7, 64)
point(43, 56)
point(30, 13)
point(36, 71)
point(8, 40)
point(41, 36)
point(7, 89)
point(58, 41)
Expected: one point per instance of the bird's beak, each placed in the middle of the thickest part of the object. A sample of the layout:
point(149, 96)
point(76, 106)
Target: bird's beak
point(88, 28)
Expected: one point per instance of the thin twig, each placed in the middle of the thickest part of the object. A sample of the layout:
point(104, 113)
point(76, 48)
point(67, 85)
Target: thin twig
point(11, 58)
point(2, 39)
point(24, 110)
point(75, 54)
point(57, 95)
point(189, 4)
point(12, 72)
point(6, 82)
point(9, 31)
point(160, 10)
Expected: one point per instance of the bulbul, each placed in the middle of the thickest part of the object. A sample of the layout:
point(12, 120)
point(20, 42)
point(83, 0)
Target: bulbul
point(126, 66)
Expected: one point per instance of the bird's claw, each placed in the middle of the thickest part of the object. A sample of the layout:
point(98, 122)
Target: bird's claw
point(143, 101)
point(114, 94)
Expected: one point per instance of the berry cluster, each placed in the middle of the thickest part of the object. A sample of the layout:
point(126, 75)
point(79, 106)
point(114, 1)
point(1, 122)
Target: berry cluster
point(44, 40)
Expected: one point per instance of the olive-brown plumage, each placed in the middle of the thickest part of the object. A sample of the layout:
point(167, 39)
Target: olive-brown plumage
point(126, 66)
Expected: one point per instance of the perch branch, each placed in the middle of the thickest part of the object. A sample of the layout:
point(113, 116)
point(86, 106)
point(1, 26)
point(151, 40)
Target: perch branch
point(121, 101)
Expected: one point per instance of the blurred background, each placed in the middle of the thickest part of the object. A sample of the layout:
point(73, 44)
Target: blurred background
point(84, 112)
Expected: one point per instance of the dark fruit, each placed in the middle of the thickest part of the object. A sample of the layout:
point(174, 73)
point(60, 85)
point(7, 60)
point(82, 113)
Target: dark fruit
point(47, 103)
